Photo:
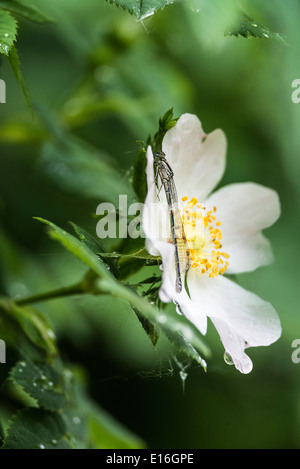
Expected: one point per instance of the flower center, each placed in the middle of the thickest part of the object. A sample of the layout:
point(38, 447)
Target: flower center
point(203, 237)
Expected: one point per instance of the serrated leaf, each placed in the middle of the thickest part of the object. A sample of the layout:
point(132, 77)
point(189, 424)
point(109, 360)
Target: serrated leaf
point(96, 247)
point(142, 8)
point(15, 65)
point(36, 326)
point(29, 12)
point(41, 382)
point(80, 250)
point(151, 330)
point(8, 32)
point(249, 28)
point(188, 344)
point(36, 429)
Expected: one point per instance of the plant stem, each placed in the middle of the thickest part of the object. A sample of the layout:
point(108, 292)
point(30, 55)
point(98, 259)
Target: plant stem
point(60, 292)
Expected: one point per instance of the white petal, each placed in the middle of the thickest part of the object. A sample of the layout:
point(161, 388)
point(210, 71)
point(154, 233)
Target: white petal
point(242, 318)
point(197, 160)
point(244, 210)
point(191, 311)
point(155, 212)
point(167, 292)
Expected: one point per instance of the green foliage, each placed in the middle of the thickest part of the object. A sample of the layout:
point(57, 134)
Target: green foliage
point(141, 9)
point(16, 68)
point(249, 28)
point(8, 32)
point(41, 382)
point(8, 36)
point(99, 80)
point(28, 12)
point(181, 334)
point(36, 429)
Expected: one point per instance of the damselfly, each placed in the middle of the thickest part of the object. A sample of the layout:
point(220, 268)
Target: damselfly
point(182, 258)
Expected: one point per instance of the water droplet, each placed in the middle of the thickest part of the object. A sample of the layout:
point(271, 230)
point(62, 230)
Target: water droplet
point(266, 35)
point(76, 420)
point(50, 334)
point(183, 375)
point(50, 383)
point(254, 25)
point(20, 370)
point(68, 374)
point(41, 446)
point(6, 35)
point(162, 318)
point(178, 309)
point(228, 360)
point(54, 442)
point(146, 15)
point(34, 384)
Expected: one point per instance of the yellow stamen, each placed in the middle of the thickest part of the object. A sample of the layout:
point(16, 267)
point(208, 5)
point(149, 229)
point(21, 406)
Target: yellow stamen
point(203, 237)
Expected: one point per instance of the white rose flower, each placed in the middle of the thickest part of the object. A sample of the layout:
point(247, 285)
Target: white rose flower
point(224, 236)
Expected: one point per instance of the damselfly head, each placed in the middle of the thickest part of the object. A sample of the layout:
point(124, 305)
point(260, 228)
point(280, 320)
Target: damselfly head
point(160, 155)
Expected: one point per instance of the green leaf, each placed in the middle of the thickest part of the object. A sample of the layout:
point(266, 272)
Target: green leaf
point(15, 65)
point(80, 250)
point(249, 28)
point(151, 330)
point(106, 432)
point(165, 123)
point(139, 180)
point(29, 12)
point(36, 326)
point(36, 429)
point(187, 342)
point(182, 335)
point(179, 333)
point(8, 32)
point(96, 247)
point(41, 382)
point(142, 8)
point(92, 427)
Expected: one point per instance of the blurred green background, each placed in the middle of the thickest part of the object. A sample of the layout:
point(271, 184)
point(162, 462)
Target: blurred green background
point(99, 81)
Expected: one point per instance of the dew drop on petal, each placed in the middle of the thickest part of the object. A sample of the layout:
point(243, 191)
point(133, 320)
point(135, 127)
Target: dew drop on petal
point(178, 310)
point(227, 358)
